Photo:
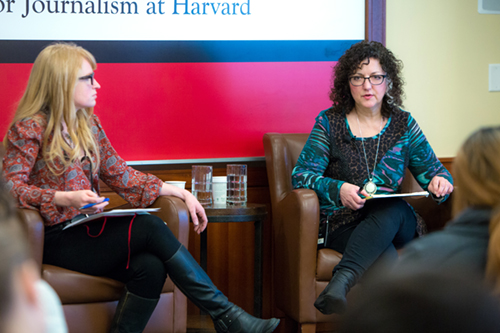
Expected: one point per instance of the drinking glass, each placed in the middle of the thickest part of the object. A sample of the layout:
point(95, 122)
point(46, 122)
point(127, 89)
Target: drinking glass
point(201, 184)
point(236, 185)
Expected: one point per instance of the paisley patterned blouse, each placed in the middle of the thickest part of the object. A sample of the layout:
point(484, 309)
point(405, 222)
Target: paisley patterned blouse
point(333, 155)
point(32, 183)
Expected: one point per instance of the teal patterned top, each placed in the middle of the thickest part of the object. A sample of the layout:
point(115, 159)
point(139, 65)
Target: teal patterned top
point(332, 155)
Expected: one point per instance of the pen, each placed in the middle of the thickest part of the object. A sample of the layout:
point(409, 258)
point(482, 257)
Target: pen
point(92, 204)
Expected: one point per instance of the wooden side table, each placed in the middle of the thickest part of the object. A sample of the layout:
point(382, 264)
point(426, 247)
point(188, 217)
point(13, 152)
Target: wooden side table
point(252, 212)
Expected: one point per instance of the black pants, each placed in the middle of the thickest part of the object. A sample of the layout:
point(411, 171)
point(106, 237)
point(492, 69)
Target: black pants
point(151, 244)
point(387, 226)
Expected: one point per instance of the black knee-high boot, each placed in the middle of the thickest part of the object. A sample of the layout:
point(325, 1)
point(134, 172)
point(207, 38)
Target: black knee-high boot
point(333, 298)
point(132, 313)
point(197, 286)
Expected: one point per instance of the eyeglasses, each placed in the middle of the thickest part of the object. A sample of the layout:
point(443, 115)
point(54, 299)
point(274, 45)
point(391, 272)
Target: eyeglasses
point(86, 77)
point(358, 80)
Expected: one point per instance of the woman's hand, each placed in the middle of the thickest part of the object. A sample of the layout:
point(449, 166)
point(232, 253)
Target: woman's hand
point(440, 186)
point(197, 212)
point(78, 199)
point(349, 195)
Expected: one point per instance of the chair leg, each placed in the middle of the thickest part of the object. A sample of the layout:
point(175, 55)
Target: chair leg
point(307, 328)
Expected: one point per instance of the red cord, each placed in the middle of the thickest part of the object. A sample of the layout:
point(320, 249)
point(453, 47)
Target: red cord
point(100, 232)
point(129, 235)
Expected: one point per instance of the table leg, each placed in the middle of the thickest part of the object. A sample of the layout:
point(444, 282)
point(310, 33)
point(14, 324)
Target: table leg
point(258, 269)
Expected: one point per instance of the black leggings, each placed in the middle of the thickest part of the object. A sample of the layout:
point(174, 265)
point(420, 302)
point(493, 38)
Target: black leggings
point(388, 225)
point(151, 245)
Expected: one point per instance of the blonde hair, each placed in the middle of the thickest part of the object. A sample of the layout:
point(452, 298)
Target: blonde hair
point(477, 179)
point(50, 89)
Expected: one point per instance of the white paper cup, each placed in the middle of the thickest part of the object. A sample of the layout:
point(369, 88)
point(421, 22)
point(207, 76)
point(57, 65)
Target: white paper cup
point(220, 190)
point(177, 183)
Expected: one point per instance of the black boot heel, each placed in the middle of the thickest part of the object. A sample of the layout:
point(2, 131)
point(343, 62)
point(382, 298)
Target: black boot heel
point(192, 280)
point(237, 320)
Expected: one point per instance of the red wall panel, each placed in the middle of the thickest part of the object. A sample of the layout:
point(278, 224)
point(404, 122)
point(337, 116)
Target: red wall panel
point(160, 111)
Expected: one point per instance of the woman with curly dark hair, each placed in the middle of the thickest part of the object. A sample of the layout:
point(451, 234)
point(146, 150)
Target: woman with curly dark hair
point(360, 146)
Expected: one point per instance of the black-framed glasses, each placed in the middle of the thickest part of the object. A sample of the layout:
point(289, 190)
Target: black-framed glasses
point(375, 80)
point(86, 77)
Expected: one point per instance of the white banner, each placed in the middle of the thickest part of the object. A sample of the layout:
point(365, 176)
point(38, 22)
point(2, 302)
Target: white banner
point(182, 20)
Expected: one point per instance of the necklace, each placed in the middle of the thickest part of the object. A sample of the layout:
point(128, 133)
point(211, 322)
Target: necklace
point(370, 186)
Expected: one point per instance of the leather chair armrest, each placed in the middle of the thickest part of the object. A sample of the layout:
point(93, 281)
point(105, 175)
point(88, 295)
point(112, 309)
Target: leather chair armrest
point(296, 252)
point(78, 288)
point(175, 213)
point(35, 229)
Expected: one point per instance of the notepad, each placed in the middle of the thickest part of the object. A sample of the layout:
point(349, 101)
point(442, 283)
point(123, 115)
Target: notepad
point(112, 213)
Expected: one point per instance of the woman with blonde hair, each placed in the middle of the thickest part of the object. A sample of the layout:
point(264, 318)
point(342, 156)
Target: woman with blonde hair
point(56, 152)
point(470, 244)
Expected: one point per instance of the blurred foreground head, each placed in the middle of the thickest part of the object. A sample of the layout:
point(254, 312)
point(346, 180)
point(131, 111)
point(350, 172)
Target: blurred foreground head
point(476, 170)
point(20, 308)
point(422, 301)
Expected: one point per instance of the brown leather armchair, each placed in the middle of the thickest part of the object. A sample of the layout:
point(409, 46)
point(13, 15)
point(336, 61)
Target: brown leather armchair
point(301, 272)
point(89, 302)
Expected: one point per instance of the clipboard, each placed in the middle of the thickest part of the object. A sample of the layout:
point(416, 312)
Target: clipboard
point(398, 195)
point(79, 219)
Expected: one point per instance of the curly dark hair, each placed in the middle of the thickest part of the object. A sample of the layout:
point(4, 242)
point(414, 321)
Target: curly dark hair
point(340, 92)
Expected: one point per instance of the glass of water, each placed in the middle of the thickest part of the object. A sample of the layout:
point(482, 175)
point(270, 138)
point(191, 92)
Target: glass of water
point(236, 185)
point(201, 184)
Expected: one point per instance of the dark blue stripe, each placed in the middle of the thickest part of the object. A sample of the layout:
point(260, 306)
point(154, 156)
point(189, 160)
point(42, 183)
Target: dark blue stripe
point(25, 51)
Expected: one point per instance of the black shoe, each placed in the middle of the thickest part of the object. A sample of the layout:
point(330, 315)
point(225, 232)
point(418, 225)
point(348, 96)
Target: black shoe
point(333, 298)
point(192, 280)
point(132, 313)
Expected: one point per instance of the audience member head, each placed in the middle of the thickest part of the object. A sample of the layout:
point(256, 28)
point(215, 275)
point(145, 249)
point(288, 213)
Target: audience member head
point(351, 60)
point(51, 89)
point(20, 308)
point(422, 301)
point(476, 171)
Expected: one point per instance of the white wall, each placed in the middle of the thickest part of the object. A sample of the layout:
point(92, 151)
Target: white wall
point(446, 47)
